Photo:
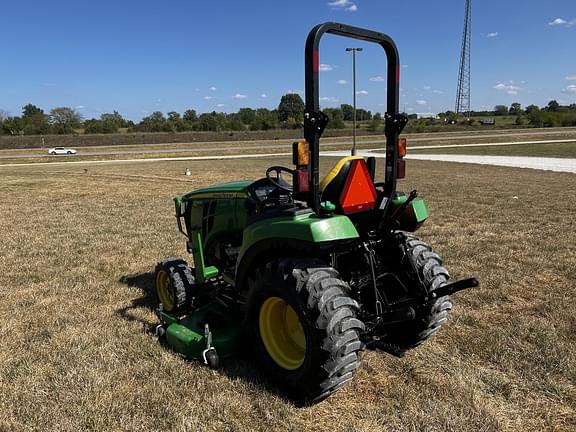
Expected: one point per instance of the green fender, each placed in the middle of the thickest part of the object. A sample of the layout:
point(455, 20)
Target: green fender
point(307, 228)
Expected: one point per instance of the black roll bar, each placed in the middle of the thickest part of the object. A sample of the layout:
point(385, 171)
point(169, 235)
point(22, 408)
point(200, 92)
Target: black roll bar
point(315, 121)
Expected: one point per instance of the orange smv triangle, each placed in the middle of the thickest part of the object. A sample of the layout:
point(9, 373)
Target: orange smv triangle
point(359, 193)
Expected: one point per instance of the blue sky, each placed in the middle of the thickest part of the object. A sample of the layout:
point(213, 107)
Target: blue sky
point(137, 57)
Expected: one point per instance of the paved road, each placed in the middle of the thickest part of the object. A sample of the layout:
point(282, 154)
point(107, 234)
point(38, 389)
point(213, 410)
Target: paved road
point(552, 164)
point(541, 163)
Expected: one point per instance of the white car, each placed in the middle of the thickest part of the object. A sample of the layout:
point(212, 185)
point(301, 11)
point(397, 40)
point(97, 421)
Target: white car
point(61, 151)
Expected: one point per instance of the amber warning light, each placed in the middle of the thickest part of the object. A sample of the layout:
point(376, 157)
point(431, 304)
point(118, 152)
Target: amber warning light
point(401, 147)
point(401, 163)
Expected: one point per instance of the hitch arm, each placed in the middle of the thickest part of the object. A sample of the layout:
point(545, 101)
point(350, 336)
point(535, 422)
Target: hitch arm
point(455, 287)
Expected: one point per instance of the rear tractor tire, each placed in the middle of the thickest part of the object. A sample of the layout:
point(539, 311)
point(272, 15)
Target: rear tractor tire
point(173, 284)
point(432, 315)
point(304, 327)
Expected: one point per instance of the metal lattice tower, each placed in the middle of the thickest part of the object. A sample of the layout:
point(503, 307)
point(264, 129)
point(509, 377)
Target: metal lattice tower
point(463, 92)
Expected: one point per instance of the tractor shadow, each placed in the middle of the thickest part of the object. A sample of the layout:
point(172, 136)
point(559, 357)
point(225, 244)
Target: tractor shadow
point(241, 366)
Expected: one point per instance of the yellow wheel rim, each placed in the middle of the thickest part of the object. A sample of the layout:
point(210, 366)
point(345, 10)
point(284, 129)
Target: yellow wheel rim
point(164, 290)
point(282, 333)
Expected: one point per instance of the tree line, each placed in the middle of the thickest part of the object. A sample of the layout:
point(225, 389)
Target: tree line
point(288, 115)
point(551, 115)
point(65, 120)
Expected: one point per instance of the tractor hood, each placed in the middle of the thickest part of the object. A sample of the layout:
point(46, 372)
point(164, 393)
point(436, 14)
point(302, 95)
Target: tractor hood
point(237, 189)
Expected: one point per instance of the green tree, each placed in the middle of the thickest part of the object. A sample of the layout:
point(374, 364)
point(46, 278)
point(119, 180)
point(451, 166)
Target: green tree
point(30, 110)
point(115, 118)
point(155, 122)
point(347, 112)
point(175, 122)
point(13, 125)
point(531, 108)
point(34, 121)
point(335, 118)
point(362, 114)
point(235, 124)
point(247, 115)
point(63, 120)
point(264, 119)
point(108, 123)
point(3, 116)
point(376, 123)
point(515, 109)
point(190, 116)
point(291, 105)
point(500, 110)
point(95, 126)
point(553, 106)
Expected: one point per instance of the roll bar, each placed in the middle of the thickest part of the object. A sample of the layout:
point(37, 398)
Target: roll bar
point(315, 121)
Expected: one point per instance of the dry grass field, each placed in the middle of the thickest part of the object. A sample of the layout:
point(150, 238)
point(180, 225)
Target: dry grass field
point(77, 250)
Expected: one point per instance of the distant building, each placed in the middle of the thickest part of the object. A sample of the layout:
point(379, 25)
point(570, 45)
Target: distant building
point(426, 115)
point(488, 122)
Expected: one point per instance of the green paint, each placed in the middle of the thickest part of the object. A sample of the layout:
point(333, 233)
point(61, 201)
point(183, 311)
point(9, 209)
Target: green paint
point(308, 227)
point(237, 189)
point(186, 335)
point(202, 271)
point(413, 215)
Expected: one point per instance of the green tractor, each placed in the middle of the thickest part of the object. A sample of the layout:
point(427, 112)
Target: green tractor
point(303, 272)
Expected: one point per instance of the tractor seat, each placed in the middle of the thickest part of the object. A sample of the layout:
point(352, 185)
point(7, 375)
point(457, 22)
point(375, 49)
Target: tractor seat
point(349, 186)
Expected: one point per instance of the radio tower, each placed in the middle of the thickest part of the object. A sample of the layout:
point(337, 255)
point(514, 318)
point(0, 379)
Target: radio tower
point(463, 92)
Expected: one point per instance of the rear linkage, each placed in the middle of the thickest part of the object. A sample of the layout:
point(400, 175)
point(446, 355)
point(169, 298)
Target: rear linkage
point(387, 313)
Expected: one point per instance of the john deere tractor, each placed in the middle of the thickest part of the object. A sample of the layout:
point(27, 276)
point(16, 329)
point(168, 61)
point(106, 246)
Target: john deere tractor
point(305, 273)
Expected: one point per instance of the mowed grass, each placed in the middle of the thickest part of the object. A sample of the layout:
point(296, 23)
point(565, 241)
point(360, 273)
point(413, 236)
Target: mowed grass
point(77, 250)
point(559, 150)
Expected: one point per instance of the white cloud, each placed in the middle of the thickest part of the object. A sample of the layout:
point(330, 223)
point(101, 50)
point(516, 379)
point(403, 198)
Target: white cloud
point(294, 92)
point(562, 22)
point(208, 97)
point(510, 88)
point(421, 102)
point(571, 78)
point(570, 89)
point(437, 92)
point(377, 78)
point(362, 92)
point(220, 105)
point(427, 88)
point(492, 35)
point(346, 5)
point(342, 82)
point(263, 95)
point(80, 106)
point(212, 88)
point(557, 21)
point(325, 67)
point(329, 99)
point(239, 96)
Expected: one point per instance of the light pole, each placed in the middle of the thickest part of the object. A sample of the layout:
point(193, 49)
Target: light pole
point(354, 95)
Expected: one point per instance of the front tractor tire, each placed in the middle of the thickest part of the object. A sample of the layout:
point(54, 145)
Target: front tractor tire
point(304, 327)
point(173, 281)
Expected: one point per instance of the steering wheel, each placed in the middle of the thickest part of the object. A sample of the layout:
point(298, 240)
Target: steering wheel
point(278, 181)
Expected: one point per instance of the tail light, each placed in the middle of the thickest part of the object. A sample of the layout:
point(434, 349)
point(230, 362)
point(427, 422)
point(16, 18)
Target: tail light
point(401, 147)
point(401, 163)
